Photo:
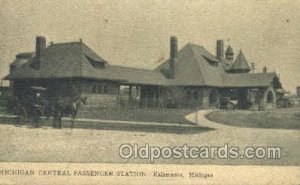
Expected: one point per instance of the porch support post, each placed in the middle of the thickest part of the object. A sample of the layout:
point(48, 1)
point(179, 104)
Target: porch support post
point(130, 94)
point(155, 97)
point(118, 95)
point(138, 93)
point(137, 96)
point(158, 97)
point(153, 93)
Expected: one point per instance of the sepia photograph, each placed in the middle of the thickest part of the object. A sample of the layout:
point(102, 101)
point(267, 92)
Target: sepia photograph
point(149, 91)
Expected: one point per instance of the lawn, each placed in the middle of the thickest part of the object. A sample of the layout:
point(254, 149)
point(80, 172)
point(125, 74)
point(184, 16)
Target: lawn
point(278, 118)
point(132, 114)
point(137, 114)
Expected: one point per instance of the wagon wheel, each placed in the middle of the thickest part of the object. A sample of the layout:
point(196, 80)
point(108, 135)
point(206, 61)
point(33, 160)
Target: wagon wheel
point(230, 106)
point(280, 104)
point(21, 112)
point(37, 112)
point(17, 109)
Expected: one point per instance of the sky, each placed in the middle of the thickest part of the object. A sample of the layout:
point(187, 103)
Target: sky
point(136, 33)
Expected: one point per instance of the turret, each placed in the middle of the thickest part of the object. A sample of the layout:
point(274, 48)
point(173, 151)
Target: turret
point(229, 53)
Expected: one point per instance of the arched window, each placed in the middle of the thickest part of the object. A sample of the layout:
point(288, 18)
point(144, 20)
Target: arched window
point(270, 97)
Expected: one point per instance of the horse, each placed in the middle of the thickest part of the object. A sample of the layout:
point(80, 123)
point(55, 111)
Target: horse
point(16, 107)
point(67, 105)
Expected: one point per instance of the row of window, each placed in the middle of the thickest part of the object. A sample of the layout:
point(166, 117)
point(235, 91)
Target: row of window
point(100, 89)
point(191, 95)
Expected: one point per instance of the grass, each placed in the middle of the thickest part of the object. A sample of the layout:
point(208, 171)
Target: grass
point(278, 118)
point(131, 114)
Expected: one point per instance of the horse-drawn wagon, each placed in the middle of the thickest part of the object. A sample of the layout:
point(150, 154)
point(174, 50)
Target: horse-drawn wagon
point(37, 103)
point(228, 104)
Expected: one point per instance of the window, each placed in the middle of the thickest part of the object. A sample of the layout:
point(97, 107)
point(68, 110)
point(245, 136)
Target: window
point(234, 94)
point(211, 61)
point(196, 95)
point(94, 89)
point(270, 97)
point(96, 64)
point(188, 95)
point(100, 89)
point(213, 97)
point(105, 90)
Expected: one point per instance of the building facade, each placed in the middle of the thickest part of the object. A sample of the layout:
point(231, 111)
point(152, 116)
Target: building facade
point(191, 78)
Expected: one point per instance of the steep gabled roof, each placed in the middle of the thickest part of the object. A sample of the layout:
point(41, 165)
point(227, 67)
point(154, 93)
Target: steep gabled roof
point(73, 60)
point(18, 62)
point(227, 64)
point(25, 55)
point(137, 76)
point(61, 60)
point(195, 66)
point(240, 63)
point(248, 79)
point(21, 58)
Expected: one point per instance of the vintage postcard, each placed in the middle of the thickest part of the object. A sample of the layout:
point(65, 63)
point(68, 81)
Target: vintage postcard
point(149, 92)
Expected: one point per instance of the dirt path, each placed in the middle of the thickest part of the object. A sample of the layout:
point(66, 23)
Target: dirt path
point(95, 142)
point(200, 119)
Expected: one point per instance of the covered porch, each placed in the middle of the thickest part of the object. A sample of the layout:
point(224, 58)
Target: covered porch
point(150, 96)
point(255, 98)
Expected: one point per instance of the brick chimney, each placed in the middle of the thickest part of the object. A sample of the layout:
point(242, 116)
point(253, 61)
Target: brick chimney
point(173, 56)
point(220, 49)
point(40, 45)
